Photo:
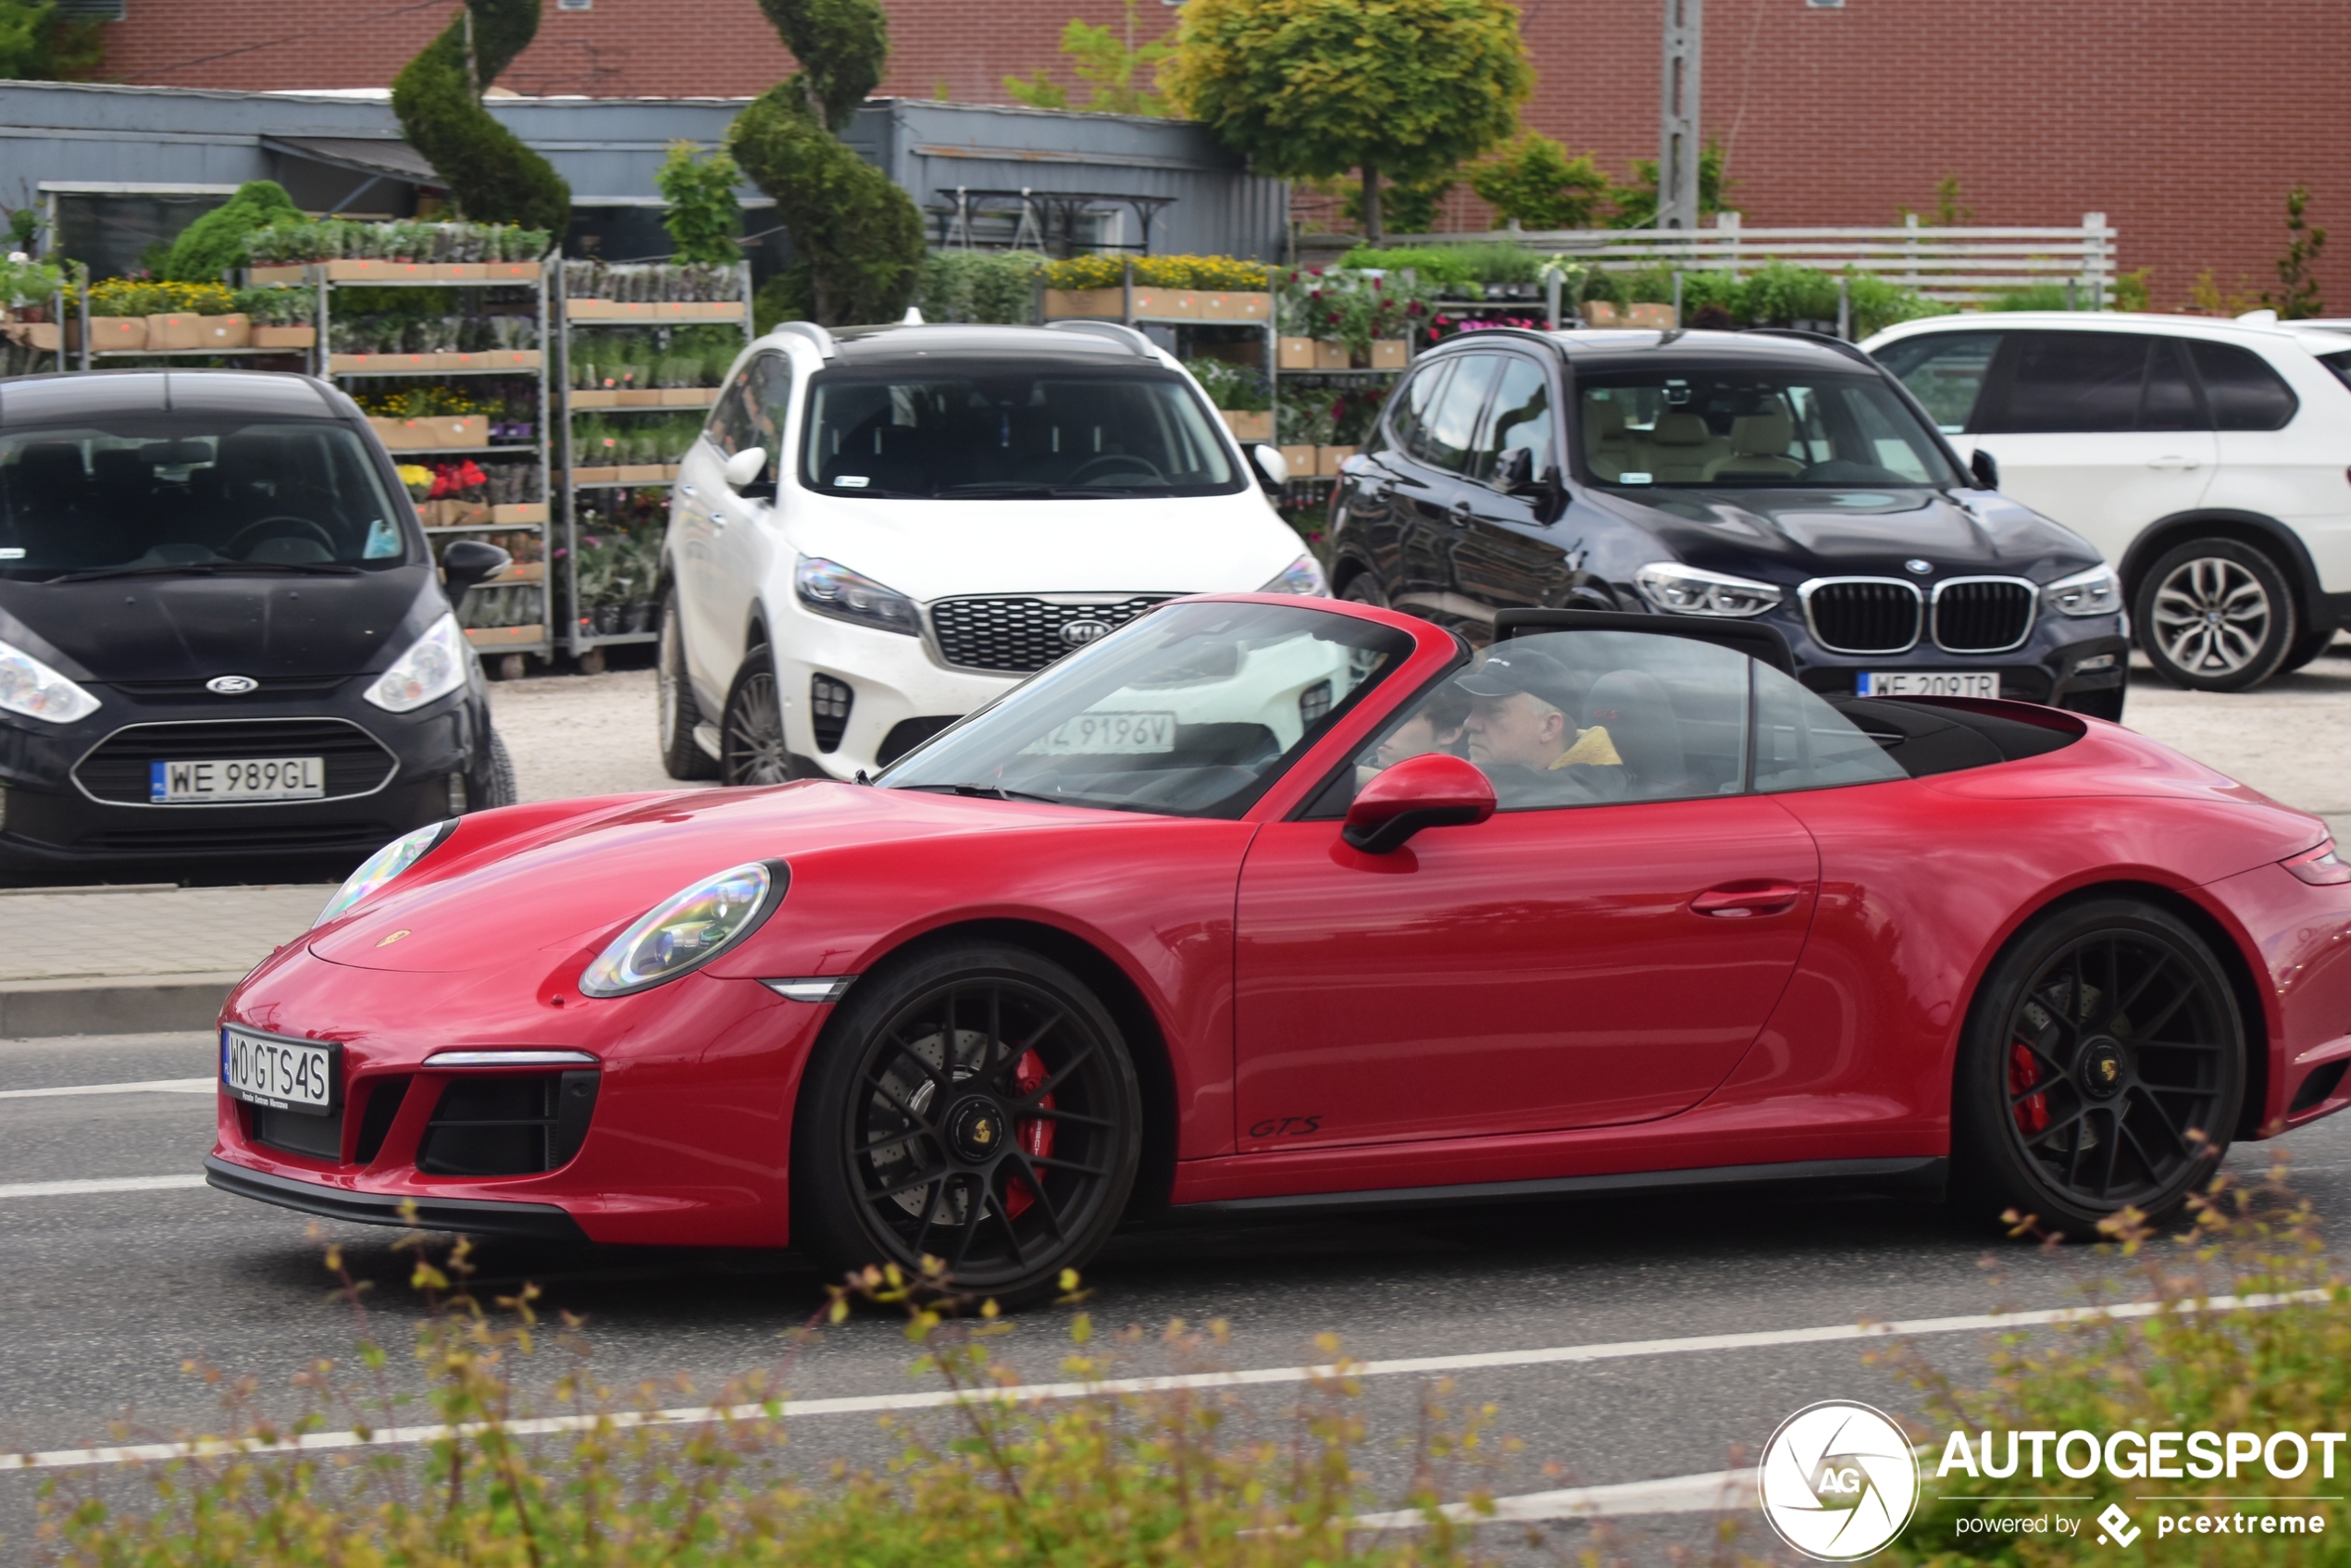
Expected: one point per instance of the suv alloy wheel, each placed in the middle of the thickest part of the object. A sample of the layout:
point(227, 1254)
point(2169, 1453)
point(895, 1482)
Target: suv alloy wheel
point(2214, 614)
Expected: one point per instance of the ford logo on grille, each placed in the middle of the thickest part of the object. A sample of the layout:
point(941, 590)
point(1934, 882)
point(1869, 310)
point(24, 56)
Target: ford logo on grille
point(1078, 633)
point(231, 685)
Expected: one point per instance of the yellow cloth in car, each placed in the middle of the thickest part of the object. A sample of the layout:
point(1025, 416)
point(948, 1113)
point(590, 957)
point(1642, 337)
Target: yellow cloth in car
point(1592, 749)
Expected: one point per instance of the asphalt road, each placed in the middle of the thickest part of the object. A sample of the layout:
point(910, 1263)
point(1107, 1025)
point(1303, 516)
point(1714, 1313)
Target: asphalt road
point(111, 1292)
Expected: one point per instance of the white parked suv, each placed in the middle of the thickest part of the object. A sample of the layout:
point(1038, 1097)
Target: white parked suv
point(2209, 460)
point(882, 528)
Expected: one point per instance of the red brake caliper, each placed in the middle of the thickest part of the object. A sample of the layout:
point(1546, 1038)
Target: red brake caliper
point(2025, 1071)
point(1035, 1135)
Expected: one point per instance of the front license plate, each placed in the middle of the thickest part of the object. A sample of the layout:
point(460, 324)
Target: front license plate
point(281, 1073)
point(1110, 734)
point(237, 778)
point(1929, 683)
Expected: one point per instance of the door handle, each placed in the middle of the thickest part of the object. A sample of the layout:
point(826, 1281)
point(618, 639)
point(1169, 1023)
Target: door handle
point(1740, 901)
point(2174, 462)
point(1461, 513)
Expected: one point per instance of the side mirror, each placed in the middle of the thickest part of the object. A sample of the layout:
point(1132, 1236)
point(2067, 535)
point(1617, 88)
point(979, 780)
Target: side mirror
point(468, 563)
point(745, 467)
point(1515, 474)
point(1984, 470)
point(1433, 790)
point(1273, 470)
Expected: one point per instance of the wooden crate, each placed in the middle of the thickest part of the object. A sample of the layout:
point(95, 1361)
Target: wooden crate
point(113, 334)
point(1294, 353)
point(285, 337)
point(504, 635)
point(519, 513)
point(596, 397)
point(689, 397)
point(1330, 354)
point(1065, 303)
point(1301, 460)
point(1248, 426)
point(1238, 307)
point(1391, 354)
point(1328, 458)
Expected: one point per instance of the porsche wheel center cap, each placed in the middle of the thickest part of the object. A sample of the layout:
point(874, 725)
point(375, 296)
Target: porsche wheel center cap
point(976, 1130)
point(2101, 1067)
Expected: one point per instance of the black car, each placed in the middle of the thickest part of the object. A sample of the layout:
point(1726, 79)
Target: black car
point(1779, 477)
point(221, 634)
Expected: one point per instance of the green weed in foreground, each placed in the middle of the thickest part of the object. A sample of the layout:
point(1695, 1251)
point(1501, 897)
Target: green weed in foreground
point(1183, 1476)
point(2190, 1367)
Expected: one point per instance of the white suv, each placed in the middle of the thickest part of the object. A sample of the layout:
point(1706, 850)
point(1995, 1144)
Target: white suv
point(882, 528)
point(2205, 458)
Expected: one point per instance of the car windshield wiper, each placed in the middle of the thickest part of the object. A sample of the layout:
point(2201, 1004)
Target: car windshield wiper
point(1013, 489)
point(984, 792)
point(208, 568)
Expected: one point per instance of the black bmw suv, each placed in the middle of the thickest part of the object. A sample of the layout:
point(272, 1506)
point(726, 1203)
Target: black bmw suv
point(221, 634)
point(1779, 477)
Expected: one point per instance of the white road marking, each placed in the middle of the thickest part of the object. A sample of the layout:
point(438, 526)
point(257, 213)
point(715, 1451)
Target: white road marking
point(1714, 1491)
point(101, 1183)
point(859, 1404)
point(151, 1085)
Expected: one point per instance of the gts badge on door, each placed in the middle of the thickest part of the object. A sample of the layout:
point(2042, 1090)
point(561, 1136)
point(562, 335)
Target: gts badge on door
point(1286, 1126)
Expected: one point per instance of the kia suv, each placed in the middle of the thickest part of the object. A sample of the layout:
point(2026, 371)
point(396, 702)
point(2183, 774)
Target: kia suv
point(2205, 458)
point(880, 528)
point(1772, 476)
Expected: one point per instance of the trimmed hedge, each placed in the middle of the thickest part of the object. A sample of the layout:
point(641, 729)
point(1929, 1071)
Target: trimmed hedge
point(215, 243)
point(493, 177)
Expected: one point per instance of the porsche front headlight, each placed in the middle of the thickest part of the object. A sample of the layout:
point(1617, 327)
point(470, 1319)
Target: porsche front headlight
point(2094, 592)
point(33, 689)
point(433, 667)
point(383, 865)
point(687, 930)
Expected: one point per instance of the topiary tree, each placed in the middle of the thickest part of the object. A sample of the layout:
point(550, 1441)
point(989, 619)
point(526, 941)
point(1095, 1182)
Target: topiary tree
point(490, 175)
point(858, 237)
point(1314, 88)
point(214, 242)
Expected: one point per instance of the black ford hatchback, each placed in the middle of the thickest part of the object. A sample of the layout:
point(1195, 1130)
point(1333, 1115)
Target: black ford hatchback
point(1736, 475)
point(221, 634)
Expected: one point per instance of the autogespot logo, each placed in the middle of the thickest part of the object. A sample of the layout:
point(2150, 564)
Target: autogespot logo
point(1838, 1481)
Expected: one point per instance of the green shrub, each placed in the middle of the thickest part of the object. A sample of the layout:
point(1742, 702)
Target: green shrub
point(1534, 180)
point(702, 216)
point(1232, 386)
point(1178, 1478)
point(215, 243)
point(2190, 1366)
point(857, 238)
point(490, 174)
point(998, 286)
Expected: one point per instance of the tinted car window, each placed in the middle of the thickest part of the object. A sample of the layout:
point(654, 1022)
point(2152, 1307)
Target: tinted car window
point(1519, 418)
point(1448, 438)
point(945, 431)
point(2340, 363)
point(731, 428)
point(1408, 414)
point(2068, 382)
point(2246, 395)
point(2170, 401)
point(1752, 426)
point(195, 489)
point(1944, 371)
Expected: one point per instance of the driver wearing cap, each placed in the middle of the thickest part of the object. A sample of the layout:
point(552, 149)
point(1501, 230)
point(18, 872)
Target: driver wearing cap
point(1519, 730)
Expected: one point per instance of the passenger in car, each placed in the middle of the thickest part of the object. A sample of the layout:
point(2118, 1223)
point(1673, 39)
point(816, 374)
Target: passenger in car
point(1519, 732)
point(1435, 725)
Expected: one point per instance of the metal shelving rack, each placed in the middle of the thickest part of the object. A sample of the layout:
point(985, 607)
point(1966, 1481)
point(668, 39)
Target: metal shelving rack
point(510, 644)
point(580, 642)
point(1129, 317)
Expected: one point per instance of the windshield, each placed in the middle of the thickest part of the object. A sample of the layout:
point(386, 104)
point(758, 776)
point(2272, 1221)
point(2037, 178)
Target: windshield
point(1745, 428)
point(1189, 711)
point(1049, 435)
point(192, 492)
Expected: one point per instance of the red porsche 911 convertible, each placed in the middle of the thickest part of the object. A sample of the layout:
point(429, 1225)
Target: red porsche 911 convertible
point(1267, 904)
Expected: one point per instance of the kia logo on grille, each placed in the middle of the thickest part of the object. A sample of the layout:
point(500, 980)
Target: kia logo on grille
point(1078, 633)
point(231, 685)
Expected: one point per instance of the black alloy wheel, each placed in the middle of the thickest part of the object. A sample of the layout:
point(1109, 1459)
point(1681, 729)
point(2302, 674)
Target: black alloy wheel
point(751, 745)
point(2215, 614)
point(676, 712)
point(1363, 589)
point(2104, 1068)
point(977, 1106)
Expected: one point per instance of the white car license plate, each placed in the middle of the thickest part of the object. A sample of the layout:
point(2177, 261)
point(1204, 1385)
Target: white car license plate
point(237, 778)
point(1929, 683)
point(281, 1073)
point(1125, 734)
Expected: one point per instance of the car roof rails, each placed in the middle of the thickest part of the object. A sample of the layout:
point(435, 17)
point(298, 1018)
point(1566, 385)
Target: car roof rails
point(815, 334)
point(1114, 330)
point(1762, 643)
point(1826, 339)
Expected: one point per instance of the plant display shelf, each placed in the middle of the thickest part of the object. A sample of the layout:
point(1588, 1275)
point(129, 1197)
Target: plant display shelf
point(511, 642)
point(592, 315)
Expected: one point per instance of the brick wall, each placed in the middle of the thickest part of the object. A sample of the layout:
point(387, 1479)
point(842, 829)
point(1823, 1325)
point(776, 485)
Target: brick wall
point(2182, 121)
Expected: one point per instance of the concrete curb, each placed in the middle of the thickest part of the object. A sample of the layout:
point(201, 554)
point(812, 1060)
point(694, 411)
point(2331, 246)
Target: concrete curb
point(113, 1004)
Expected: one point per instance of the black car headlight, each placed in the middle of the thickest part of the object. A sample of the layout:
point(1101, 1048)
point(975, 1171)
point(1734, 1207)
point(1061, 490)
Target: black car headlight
point(831, 589)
